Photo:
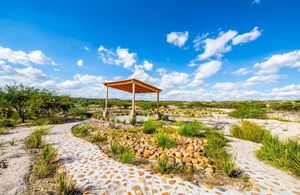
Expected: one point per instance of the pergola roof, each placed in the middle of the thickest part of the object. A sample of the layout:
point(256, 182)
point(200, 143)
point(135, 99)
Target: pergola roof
point(126, 85)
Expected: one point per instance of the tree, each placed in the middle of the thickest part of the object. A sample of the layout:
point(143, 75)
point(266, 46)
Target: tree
point(65, 103)
point(18, 97)
point(5, 110)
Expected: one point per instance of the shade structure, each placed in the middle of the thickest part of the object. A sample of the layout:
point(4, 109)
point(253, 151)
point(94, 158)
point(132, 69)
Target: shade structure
point(127, 85)
point(132, 86)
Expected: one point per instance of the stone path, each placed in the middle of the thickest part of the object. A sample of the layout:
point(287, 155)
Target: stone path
point(268, 180)
point(17, 160)
point(96, 172)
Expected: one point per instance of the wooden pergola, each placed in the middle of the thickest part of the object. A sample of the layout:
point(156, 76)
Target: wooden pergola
point(132, 86)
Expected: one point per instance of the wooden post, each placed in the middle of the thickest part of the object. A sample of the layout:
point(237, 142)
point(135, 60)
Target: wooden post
point(133, 97)
point(157, 102)
point(105, 112)
point(106, 100)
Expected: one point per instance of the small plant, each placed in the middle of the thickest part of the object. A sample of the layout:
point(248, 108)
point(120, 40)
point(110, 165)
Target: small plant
point(249, 131)
point(249, 112)
point(190, 129)
point(115, 147)
point(64, 185)
point(164, 140)
point(35, 139)
point(96, 138)
point(150, 126)
point(126, 156)
point(7, 123)
point(45, 165)
point(80, 130)
point(285, 155)
point(163, 165)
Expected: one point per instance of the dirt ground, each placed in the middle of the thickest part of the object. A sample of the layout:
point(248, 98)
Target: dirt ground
point(15, 161)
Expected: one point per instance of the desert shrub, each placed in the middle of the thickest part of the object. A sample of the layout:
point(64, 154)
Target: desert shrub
point(150, 126)
point(46, 164)
point(35, 139)
point(40, 121)
point(79, 112)
point(190, 129)
point(115, 147)
point(249, 112)
point(249, 131)
point(65, 185)
point(126, 156)
point(96, 137)
point(7, 123)
point(164, 140)
point(80, 130)
point(168, 130)
point(163, 166)
point(285, 155)
point(215, 150)
point(57, 119)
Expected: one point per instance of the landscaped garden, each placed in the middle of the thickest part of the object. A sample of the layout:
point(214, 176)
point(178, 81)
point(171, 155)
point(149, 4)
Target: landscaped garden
point(191, 151)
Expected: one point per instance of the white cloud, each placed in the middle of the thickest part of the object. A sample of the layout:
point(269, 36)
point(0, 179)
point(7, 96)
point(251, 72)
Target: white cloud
point(206, 70)
point(227, 86)
point(147, 65)
point(198, 41)
point(247, 37)
point(173, 79)
point(178, 38)
point(287, 91)
point(86, 48)
point(23, 58)
point(80, 63)
point(242, 71)
point(125, 58)
point(264, 79)
point(161, 71)
point(28, 74)
point(140, 74)
point(218, 46)
point(273, 64)
point(255, 2)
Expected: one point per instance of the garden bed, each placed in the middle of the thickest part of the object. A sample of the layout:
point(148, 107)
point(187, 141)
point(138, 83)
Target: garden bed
point(169, 151)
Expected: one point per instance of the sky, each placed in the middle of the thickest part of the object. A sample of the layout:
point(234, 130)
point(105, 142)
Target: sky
point(193, 50)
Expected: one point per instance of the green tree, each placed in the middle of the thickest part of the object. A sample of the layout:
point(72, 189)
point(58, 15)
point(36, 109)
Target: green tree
point(18, 97)
point(65, 103)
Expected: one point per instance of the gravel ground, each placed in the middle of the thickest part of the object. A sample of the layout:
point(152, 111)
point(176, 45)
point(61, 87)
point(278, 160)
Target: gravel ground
point(17, 160)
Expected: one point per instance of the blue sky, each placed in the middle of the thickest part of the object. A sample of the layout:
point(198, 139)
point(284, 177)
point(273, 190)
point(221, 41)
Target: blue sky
point(193, 50)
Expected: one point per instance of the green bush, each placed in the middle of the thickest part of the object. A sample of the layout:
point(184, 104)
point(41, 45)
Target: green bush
point(190, 129)
point(115, 147)
point(126, 156)
point(249, 131)
point(35, 139)
point(7, 123)
point(46, 164)
point(163, 165)
point(285, 155)
point(79, 112)
point(164, 140)
point(64, 185)
point(249, 112)
point(215, 150)
point(151, 126)
point(96, 138)
point(80, 130)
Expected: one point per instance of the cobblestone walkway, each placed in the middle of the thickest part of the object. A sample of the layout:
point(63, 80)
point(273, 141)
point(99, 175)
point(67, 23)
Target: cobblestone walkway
point(96, 172)
point(268, 180)
point(92, 169)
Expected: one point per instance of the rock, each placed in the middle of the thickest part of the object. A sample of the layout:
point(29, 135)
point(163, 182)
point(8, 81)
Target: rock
point(178, 161)
point(147, 153)
point(207, 186)
point(194, 161)
point(186, 159)
point(197, 154)
point(178, 154)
